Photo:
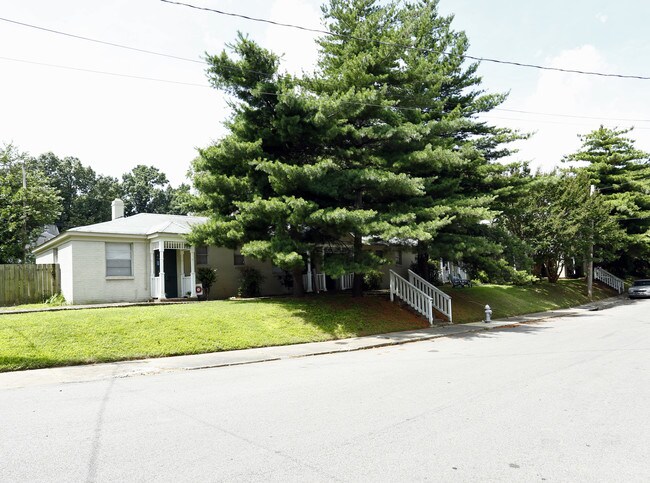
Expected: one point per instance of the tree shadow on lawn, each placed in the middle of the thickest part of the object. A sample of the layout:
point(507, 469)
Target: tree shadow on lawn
point(340, 315)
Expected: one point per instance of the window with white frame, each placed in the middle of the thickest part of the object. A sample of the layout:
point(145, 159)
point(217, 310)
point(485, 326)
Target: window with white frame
point(202, 255)
point(118, 260)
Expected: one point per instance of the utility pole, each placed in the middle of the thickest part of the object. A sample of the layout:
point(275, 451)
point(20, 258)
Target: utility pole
point(590, 261)
point(24, 213)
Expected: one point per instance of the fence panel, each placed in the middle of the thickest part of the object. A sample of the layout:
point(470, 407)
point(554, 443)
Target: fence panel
point(25, 284)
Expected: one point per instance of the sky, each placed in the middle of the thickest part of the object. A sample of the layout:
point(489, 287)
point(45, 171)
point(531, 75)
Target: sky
point(115, 122)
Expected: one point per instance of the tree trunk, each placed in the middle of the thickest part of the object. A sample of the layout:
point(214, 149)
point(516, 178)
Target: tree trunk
point(357, 284)
point(298, 286)
point(553, 269)
point(423, 261)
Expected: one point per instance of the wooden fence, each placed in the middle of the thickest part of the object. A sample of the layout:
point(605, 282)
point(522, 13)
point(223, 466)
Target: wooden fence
point(24, 284)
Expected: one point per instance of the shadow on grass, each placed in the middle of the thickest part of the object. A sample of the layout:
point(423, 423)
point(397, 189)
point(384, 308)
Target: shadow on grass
point(341, 315)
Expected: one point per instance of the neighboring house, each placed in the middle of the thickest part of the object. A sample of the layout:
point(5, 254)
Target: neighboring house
point(146, 256)
point(49, 232)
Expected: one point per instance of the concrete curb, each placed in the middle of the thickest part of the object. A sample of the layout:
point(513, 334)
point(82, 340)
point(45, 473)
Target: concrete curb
point(152, 366)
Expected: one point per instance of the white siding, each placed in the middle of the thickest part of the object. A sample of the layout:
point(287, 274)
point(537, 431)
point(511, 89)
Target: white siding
point(65, 264)
point(90, 283)
point(45, 257)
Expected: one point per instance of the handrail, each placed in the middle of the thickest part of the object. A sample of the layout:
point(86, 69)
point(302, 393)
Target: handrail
point(609, 279)
point(347, 281)
point(413, 296)
point(441, 301)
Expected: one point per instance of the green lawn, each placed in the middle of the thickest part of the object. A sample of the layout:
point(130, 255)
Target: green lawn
point(505, 301)
point(45, 339)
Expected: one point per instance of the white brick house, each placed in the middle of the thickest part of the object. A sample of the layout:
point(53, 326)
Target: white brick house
point(146, 256)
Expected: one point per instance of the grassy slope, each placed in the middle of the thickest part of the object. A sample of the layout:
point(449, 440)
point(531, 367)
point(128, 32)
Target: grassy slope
point(46, 339)
point(506, 301)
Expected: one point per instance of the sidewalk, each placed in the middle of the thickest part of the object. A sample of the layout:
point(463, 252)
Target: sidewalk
point(96, 372)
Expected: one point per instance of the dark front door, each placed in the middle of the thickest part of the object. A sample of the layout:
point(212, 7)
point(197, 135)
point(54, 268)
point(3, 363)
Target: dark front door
point(171, 276)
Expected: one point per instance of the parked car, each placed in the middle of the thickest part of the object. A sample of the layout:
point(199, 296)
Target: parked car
point(639, 289)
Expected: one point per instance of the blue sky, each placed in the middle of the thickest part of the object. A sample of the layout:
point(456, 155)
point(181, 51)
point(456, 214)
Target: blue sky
point(113, 123)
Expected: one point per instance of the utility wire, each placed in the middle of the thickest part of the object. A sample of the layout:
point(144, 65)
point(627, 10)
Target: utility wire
point(104, 42)
point(192, 84)
point(404, 46)
point(264, 74)
point(571, 115)
point(115, 74)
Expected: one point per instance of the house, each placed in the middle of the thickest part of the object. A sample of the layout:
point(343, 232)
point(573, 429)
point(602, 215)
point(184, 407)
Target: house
point(146, 256)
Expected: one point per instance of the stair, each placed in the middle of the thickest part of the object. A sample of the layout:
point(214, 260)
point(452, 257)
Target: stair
point(609, 279)
point(420, 295)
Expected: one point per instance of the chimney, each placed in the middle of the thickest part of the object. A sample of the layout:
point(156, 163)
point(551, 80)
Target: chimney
point(117, 208)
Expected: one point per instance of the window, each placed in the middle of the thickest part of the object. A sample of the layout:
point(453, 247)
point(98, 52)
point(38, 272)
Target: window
point(239, 259)
point(398, 257)
point(202, 255)
point(118, 260)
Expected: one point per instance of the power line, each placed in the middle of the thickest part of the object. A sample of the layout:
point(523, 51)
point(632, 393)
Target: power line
point(114, 74)
point(404, 46)
point(269, 76)
point(192, 84)
point(544, 121)
point(104, 42)
point(570, 115)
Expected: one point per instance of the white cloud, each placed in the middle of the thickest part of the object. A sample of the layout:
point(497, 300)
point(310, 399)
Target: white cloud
point(298, 46)
point(601, 17)
point(605, 99)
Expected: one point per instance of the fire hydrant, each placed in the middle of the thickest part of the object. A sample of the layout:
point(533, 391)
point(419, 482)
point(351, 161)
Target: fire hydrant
point(488, 314)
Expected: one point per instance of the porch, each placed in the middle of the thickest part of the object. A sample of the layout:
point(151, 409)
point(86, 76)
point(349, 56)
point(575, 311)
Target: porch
point(172, 269)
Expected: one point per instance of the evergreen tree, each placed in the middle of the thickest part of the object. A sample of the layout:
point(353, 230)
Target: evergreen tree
point(273, 129)
point(413, 163)
point(622, 174)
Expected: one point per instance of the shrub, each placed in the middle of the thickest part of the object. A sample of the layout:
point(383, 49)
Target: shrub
point(250, 282)
point(207, 276)
point(372, 280)
point(56, 300)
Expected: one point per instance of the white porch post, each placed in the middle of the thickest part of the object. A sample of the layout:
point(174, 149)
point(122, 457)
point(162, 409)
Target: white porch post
point(182, 277)
point(161, 294)
point(193, 270)
point(152, 269)
point(309, 287)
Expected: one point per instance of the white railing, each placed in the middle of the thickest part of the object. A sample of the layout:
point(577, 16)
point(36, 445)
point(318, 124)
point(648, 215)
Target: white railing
point(413, 296)
point(155, 287)
point(314, 283)
point(609, 279)
point(320, 282)
point(441, 301)
point(186, 286)
point(306, 283)
point(347, 281)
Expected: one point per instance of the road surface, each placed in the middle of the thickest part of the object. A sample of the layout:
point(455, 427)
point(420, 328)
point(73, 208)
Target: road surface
point(567, 399)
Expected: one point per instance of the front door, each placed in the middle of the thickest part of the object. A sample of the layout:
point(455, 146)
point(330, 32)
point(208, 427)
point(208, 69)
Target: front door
point(171, 274)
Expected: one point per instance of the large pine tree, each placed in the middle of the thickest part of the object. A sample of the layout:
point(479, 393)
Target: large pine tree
point(273, 126)
point(411, 156)
point(621, 173)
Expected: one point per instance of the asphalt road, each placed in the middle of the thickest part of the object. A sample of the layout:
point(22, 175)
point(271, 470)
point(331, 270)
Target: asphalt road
point(563, 400)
